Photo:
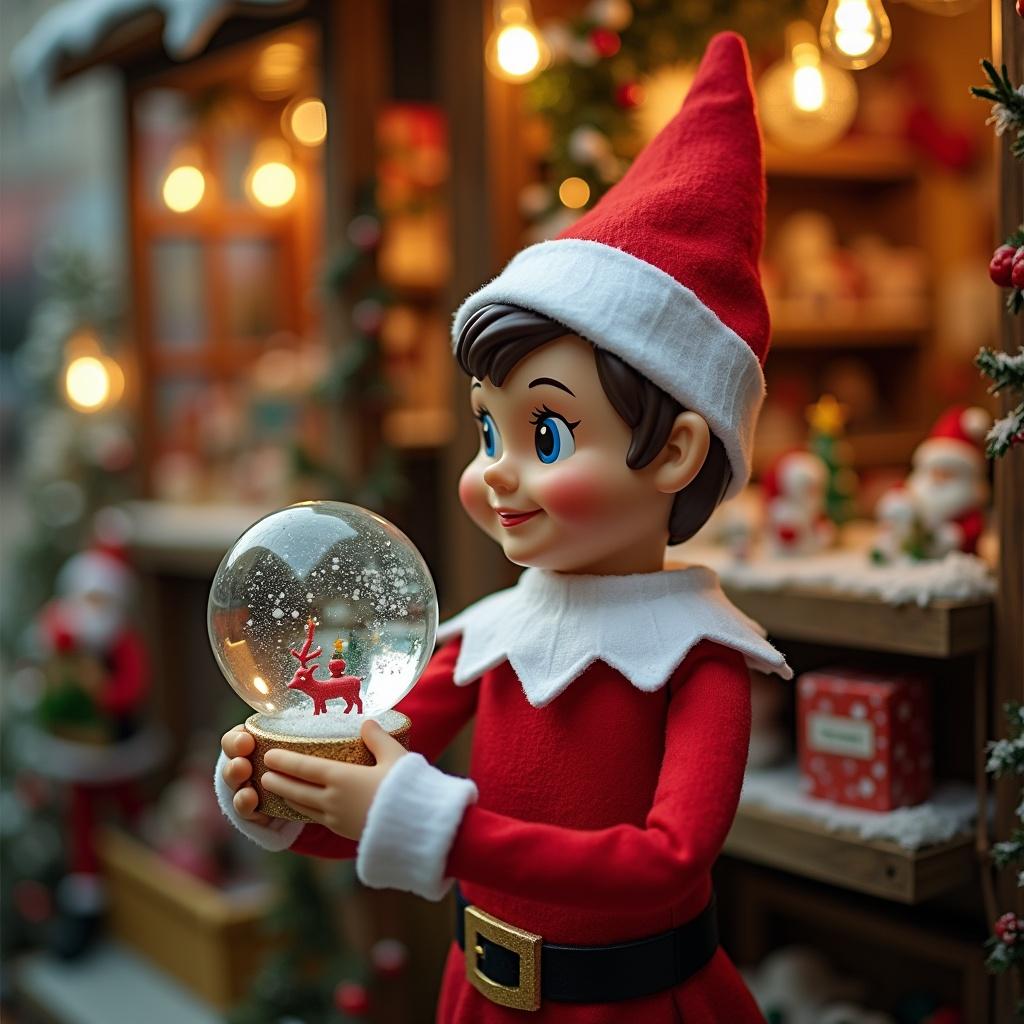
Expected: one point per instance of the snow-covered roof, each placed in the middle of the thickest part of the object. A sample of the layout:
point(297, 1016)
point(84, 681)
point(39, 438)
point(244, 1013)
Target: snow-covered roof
point(75, 28)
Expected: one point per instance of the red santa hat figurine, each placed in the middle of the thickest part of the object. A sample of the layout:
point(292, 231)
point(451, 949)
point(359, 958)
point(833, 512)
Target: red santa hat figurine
point(90, 719)
point(941, 506)
point(794, 491)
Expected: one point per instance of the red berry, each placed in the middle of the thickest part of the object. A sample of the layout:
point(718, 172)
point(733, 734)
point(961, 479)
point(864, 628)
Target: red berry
point(605, 41)
point(351, 997)
point(1007, 928)
point(1000, 267)
point(1017, 271)
point(631, 94)
point(1020, 8)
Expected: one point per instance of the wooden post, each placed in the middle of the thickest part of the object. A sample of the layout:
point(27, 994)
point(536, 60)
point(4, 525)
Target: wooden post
point(356, 72)
point(1008, 682)
point(474, 564)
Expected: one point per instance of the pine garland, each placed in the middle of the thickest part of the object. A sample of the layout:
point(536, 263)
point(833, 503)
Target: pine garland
point(1007, 105)
point(1006, 372)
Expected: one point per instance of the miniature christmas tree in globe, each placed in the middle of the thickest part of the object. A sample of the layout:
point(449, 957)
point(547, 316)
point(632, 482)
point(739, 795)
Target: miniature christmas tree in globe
point(319, 577)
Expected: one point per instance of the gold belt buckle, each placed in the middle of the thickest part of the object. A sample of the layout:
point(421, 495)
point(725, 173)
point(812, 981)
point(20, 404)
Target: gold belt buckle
point(526, 945)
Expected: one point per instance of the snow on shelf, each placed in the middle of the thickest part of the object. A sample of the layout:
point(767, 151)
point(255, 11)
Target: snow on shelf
point(949, 813)
point(957, 577)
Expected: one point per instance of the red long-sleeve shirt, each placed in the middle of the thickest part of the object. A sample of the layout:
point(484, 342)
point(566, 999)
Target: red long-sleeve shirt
point(599, 817)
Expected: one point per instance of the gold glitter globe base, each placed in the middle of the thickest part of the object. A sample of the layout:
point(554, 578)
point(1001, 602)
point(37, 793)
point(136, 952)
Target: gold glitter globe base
point(349, 749)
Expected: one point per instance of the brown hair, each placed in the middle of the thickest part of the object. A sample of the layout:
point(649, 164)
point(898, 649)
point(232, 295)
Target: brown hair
point(496, 337)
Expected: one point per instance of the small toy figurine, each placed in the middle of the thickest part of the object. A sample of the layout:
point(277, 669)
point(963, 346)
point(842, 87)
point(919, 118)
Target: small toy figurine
point(323, 690)
point(941, 506)
point(90, 717)
point(795, 519)
point(616, 374)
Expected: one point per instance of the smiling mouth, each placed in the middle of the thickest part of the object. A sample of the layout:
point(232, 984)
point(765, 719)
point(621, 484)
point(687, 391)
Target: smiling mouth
point(510, 517)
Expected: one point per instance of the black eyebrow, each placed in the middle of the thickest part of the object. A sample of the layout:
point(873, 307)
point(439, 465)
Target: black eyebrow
point(475, 384)
point(548, 380)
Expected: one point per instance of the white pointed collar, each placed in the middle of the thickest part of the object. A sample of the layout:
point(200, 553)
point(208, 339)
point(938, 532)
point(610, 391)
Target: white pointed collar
point(550, 626)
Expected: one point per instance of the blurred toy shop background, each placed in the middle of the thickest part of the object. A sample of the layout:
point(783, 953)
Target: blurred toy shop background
point(233, 235)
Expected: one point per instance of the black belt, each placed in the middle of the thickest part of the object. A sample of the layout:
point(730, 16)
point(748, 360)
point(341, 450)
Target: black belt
point(516, 968)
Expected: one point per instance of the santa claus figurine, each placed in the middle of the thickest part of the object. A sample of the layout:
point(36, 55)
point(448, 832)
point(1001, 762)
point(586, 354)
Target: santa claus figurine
point(795, 519)
point(94, 662)
point(615, 373)
point(95, 656)
point(941, 506)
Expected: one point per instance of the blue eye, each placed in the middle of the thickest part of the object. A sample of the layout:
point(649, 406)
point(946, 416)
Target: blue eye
point(553, 439)
point(491, 437)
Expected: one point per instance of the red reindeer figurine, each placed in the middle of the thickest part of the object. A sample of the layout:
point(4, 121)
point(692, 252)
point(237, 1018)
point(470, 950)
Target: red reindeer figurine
point(323, 690)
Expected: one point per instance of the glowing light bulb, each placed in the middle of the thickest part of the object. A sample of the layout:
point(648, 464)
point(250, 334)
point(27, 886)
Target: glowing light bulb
point(516, 50)
point(307, 121)
point(87, 383)
point(272, 184)
point(805, 102)
point(574, 193)
point(92, 380)
point(183, 188)
point(855, 33)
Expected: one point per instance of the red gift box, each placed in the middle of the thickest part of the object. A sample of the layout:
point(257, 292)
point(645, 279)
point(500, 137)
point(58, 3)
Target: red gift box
point(865, 738)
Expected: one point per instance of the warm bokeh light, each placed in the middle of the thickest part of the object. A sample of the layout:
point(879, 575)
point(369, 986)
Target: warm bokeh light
point(856, 33)
point(808, 88)
point(92, 380)
point(272, 184)
point(808, 81)
point(308, 122)
point(278, 70)
point(259, 684)
point(183, 188)
point(574, 193)
point(516, 50)
point(806, 103)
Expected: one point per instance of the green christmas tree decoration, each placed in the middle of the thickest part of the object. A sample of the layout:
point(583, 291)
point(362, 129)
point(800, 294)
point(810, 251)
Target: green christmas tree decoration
point(826, 439)
point(602, 61)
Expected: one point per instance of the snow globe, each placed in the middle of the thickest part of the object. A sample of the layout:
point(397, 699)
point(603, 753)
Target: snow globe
point(321, 615)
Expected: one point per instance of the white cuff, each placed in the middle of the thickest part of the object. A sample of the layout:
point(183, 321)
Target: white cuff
point(411, 826)
point(278, 835)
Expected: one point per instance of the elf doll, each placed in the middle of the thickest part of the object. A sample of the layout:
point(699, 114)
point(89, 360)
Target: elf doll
point(616, 374)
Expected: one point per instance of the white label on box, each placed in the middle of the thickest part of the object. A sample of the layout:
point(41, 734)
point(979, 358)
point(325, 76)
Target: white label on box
point(831, 734)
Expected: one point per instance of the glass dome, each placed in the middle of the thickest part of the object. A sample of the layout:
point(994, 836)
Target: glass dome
point(321, 615)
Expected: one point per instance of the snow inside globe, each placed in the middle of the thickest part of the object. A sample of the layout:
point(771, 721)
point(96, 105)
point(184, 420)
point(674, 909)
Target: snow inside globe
point(321, 615)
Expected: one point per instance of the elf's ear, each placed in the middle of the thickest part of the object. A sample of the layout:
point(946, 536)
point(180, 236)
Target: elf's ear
point(684, 453)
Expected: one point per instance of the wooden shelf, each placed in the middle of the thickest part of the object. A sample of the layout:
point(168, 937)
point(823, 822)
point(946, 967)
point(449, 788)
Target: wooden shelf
point(862, 331)
point(942, 629)
point(880, 868)
point(883, 161)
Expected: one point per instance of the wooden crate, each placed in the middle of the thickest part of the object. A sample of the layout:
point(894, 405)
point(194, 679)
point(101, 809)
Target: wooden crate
point(209, 940)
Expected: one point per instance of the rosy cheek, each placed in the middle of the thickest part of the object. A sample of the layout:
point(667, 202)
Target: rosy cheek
point(473, 493)
point(574, 493)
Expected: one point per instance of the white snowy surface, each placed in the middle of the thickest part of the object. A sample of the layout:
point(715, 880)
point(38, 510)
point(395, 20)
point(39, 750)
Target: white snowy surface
point(335, 724)
point(950, 812)
point(67, 761)
point(956, 577)
point(76, 27)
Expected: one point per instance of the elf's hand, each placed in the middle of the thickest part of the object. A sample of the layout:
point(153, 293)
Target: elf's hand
point(332, 793)
point(237, 745)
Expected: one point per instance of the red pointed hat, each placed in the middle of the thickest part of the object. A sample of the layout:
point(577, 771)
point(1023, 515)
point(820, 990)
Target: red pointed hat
point(663, 271)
